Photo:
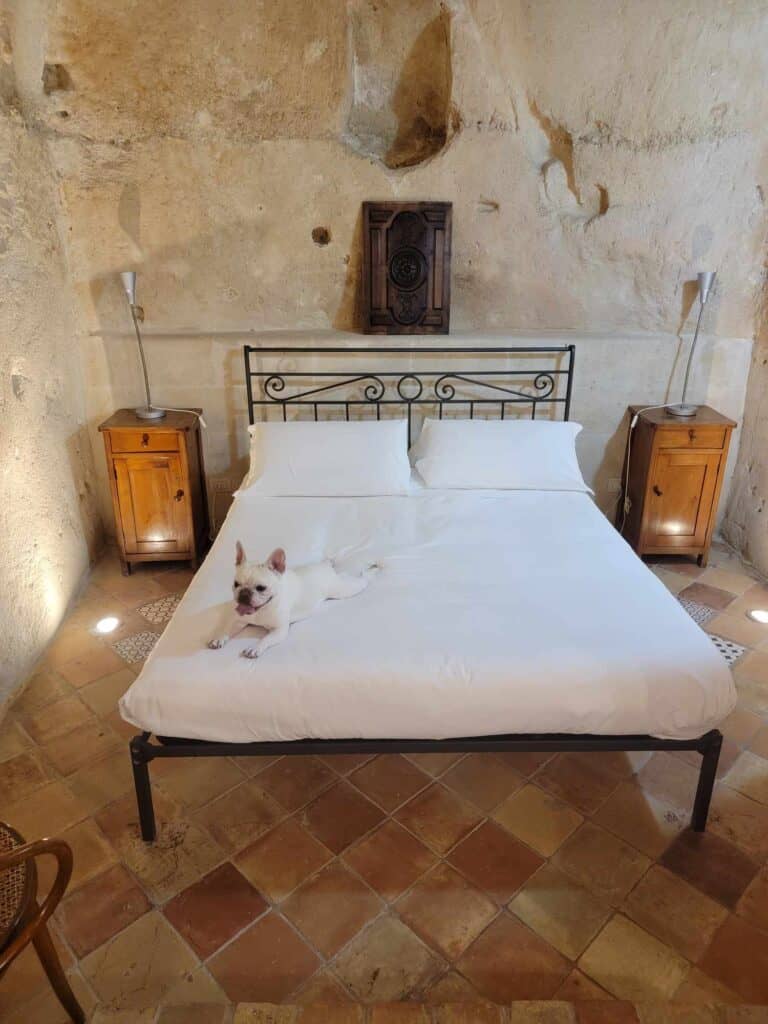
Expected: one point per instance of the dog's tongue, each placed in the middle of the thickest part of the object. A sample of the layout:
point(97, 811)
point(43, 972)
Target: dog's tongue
point(244, 609)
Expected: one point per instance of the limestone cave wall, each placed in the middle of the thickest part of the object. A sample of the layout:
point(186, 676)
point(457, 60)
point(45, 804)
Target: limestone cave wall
point(597, 153)
point(49, 522)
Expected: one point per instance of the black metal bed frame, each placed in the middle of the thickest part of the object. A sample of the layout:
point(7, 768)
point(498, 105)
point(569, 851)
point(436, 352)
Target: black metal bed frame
point(480, 389)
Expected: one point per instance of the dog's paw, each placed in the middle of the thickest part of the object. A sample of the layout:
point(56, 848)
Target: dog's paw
point(251, 652)
point(217, 642)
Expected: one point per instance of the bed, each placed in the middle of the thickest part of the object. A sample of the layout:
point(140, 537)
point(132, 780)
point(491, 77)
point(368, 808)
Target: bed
point(499, 620)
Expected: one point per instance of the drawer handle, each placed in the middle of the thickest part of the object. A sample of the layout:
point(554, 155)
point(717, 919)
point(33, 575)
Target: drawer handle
point(691, 436)
point(144, 440)
point(656, 491)
point(178, 495)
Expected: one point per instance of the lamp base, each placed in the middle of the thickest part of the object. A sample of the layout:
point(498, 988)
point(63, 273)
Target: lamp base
point(149, 412)
point(683, 409)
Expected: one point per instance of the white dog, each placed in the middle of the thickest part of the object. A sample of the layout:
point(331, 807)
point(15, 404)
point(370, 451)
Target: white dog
point(269, 595)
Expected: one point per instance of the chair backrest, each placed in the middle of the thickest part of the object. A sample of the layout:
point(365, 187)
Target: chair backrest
point(15, 883)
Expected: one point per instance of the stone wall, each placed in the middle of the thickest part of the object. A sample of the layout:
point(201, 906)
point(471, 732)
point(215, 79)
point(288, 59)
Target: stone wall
point(48, 517)
point(597, 153)
point(746, 520)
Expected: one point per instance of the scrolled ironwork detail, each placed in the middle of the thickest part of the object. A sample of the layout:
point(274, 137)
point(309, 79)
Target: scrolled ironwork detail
point(374, 390)
point(275, 383)
point(273, 386)
point(445, 391)
point(545, 383)
point(486, 392)
point(411, 378)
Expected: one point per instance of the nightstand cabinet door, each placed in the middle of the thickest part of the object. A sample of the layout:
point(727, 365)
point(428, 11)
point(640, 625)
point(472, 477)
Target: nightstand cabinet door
point(157, 479)
point(680, 499)
point(674, 471)
point(154, 507)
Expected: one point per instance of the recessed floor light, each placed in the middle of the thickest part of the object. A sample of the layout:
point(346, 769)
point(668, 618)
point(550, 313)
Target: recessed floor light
point(759, 615)
point(107, 625)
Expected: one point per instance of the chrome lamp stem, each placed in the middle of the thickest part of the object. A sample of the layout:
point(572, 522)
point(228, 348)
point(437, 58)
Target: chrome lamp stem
point(147, 412)
point(706, 280)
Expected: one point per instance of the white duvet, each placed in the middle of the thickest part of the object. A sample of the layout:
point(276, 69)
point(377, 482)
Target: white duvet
point(493, 612)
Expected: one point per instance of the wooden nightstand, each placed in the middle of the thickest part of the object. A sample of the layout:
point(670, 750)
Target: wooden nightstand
point(675, 475)
point(158, 487)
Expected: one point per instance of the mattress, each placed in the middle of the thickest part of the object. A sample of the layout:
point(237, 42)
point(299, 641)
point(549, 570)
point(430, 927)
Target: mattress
point(492, 612)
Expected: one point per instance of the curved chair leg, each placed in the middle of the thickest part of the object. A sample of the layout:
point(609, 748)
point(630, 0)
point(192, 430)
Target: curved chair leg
point(49, 958)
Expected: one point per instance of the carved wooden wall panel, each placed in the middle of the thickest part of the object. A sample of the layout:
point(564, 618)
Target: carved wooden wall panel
point(407, 268)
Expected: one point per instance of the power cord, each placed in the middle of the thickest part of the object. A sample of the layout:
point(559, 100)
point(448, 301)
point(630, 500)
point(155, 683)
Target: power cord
point(624, 497)
point(178, 408)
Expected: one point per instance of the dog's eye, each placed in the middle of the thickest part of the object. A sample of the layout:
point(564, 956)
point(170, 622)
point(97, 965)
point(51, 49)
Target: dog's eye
point(235, 584)
point(261, 588)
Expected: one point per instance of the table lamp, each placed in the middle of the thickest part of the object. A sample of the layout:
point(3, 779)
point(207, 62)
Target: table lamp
point(148, 411)
point(706, 280)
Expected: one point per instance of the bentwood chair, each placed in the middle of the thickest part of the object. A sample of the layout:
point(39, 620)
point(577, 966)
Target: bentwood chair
point(22, 919)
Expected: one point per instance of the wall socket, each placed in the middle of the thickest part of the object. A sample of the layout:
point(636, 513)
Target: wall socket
point(614, 485)
point(222, 484)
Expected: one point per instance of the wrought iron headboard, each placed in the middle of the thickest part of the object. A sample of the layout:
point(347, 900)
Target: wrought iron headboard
point(490, 387)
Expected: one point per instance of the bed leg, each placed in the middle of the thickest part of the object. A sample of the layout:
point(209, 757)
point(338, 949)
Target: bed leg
point(707, 774)
point(143, 786)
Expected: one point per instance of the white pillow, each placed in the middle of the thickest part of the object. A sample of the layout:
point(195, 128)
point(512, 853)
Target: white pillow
point(329, 458)
point(499, 454)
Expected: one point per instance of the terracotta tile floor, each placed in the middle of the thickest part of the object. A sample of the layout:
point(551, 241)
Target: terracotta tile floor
point(562, 888)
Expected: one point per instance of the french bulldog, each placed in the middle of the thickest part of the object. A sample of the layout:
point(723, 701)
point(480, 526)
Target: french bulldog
point(270, 595)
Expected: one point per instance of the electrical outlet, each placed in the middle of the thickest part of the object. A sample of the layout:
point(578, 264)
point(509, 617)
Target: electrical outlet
point(222, 484)
point(614, 485)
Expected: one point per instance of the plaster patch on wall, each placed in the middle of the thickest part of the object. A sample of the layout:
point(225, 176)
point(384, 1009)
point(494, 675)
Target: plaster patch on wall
point(559, 175)
point(55, 78)
point(560, 146)
point(19, 385)
point(400, 111)
point(314, 50)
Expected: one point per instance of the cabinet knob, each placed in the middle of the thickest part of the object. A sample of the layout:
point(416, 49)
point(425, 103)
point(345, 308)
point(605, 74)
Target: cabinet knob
point(178, 495)
point(144, 440)
point(691, 436)
point(656, 491)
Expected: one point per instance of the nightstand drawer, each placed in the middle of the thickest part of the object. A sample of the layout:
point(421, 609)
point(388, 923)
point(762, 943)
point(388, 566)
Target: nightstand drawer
point(144, 440)
point(691, 437)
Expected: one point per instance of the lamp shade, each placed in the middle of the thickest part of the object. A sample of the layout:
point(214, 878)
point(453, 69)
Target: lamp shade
point(706, 280)
point(129, 284)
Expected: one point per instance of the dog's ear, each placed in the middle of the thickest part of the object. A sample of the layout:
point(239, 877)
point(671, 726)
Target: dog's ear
point(239, 554)
point(276, 560)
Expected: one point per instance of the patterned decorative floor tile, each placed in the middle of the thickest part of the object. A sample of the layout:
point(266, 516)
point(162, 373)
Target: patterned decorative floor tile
point(700, 613)
point(160, 610)
point(136, 647)
point(731, 651)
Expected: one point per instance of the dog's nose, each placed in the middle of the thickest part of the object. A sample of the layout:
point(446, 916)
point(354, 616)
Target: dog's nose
point(244, 596)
